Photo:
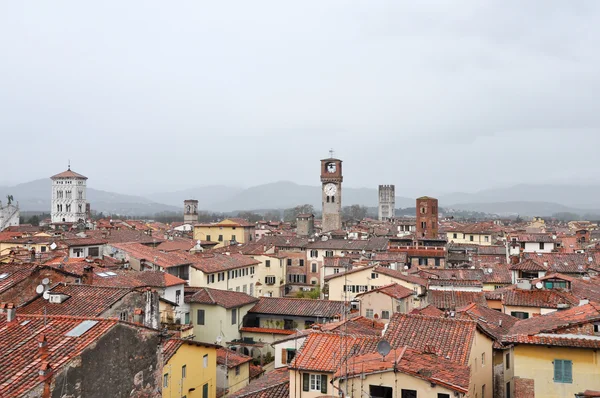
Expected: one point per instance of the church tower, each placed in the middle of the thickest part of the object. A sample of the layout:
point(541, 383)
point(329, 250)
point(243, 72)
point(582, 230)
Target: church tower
point(68, 197)
point(190, 211)
point(331, 180)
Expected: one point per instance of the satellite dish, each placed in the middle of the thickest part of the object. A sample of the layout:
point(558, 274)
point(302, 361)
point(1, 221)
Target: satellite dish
point(40, 289)
point(53, 246)
point(46, 295)
point(383, 348)
point(45, 281)
point(539, 285)
point(490, 270)
point(406, 267)
point(219, 339)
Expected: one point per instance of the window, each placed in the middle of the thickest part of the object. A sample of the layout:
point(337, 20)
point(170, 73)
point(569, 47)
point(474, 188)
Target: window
point(471, 238)
point(519, 314)
point(563, 371)
point(314, 253)
point(205, 361)
point(220, 238)
point(333, 199)
point(541, 245)
point(455, 236)
point(380, 392)
point(270, 280)
point(483, 359)
point(437, 262)
point(233, 238)
point(289, 356)
point(508, 390)
point(486, 238)
point(313, 267)
point(369, 313)
point(422, 261)
point(94, 251)
point(483, 391)
point(205, 391)
point(234, 316)
point(596, 328)
point(178, 296)
point(314, 382)
point(200, 317)
point(301, 262)
point(183, 371)
point(237, 370)
point(289, 262)
point(123, 315)
point(186, 318)
point(507, 360)
point(336, 270)
point(408, 393)
point(423, 210)
point(208, 238)
point(442, 395)
point(295, 278)
point(328, 253)
point(423, 224)
point(374, 275)
point(166, 380)
point(385, 315)
point(268, 263)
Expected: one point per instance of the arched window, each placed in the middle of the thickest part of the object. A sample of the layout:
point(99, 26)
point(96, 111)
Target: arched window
point(327, 199)
point(333, 199)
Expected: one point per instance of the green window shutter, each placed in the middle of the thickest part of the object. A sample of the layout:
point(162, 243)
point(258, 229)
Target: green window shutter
point(324, 384)
point(567, 372)
point(305, 382)
point(558, 370)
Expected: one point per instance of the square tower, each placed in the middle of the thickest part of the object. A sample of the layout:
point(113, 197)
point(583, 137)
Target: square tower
point(387, 202)
point(427, 218)
point(190, 211)
point(69, 194)
point(331, 194)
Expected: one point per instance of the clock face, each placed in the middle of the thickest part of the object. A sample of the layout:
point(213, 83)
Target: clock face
point(331, 167)
point(330, 189)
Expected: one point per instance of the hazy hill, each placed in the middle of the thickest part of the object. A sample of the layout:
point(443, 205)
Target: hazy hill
point(36, 196)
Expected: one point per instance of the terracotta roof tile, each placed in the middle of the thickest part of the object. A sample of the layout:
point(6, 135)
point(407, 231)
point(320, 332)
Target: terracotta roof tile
point(230, 358)
point(223, 298)
point(393, 290)
point(428, 310)
point(68, 174)
point(450, 300)
point(274, 384)
point(267, 330)
point(538, 298)
point(447, 337)
point(298, 307)
point(495, 323)
point(429, 367)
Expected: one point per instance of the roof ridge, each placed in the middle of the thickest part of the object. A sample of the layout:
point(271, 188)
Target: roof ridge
point(206, 289)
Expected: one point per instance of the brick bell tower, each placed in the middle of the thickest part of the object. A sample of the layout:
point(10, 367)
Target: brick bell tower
point(331, 181)
point(427, 218)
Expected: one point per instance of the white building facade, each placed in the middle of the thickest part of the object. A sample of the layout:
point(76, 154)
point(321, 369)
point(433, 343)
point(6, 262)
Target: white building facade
point(68, 197)
point(9, 215)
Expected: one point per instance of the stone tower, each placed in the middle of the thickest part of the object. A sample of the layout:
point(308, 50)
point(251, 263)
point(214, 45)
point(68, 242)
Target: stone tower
point(387, 202)
point(331, 180)
point(427, 218)
point(190, 211)
point(305, 224)
point(68, 197)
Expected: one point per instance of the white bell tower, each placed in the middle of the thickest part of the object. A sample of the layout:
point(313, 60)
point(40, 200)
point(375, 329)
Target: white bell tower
point(68, 197)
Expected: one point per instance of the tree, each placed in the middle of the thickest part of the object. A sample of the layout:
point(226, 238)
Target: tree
point(34, 220)
point(289, 215)
point(250, 216)
point(354, 212)
point(272, 215)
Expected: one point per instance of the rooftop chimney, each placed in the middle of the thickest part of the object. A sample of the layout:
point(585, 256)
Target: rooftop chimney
point(11, 312)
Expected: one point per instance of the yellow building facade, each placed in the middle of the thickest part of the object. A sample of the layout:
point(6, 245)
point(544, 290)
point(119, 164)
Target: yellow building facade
point(224, 232)
point(191, 371)
point(537, 363)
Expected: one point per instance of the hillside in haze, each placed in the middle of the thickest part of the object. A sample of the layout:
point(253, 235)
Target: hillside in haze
point(526, 200)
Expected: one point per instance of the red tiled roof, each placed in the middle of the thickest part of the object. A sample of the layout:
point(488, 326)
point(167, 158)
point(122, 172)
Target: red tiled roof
point(429, 367)
point(572, 263)
point(230, 358)
point(209, 263)
point(495, 323)
point(393, 290)
point(171, 346)
point(223, 298)
point(19, 357)
point(298, 307)
point(267, 330)
point(13, 274)
point(537, 298)
point(528, 265)
point(132, 278)
point(83, 300)
point(428, 310)
point(323, 352)
point(447, 337)
point(454, 282)
point(255, 371)
point(354, 326)
point(274, 384)
point(84, 242)
point(450, 300)
point(68, 174)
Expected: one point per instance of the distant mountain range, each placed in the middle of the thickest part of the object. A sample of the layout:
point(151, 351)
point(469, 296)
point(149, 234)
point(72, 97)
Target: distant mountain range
point(526, 200)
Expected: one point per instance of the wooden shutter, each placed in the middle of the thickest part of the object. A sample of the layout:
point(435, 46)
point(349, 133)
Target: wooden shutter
point(324, 384)
point(284, 355)
point(558, 373)
point(567, 371)
point(305, 382)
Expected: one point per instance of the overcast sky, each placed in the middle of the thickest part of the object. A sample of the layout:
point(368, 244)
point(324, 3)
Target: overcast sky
point(434, 97)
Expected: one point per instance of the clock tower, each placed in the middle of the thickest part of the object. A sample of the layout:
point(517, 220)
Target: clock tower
point(331, 193)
